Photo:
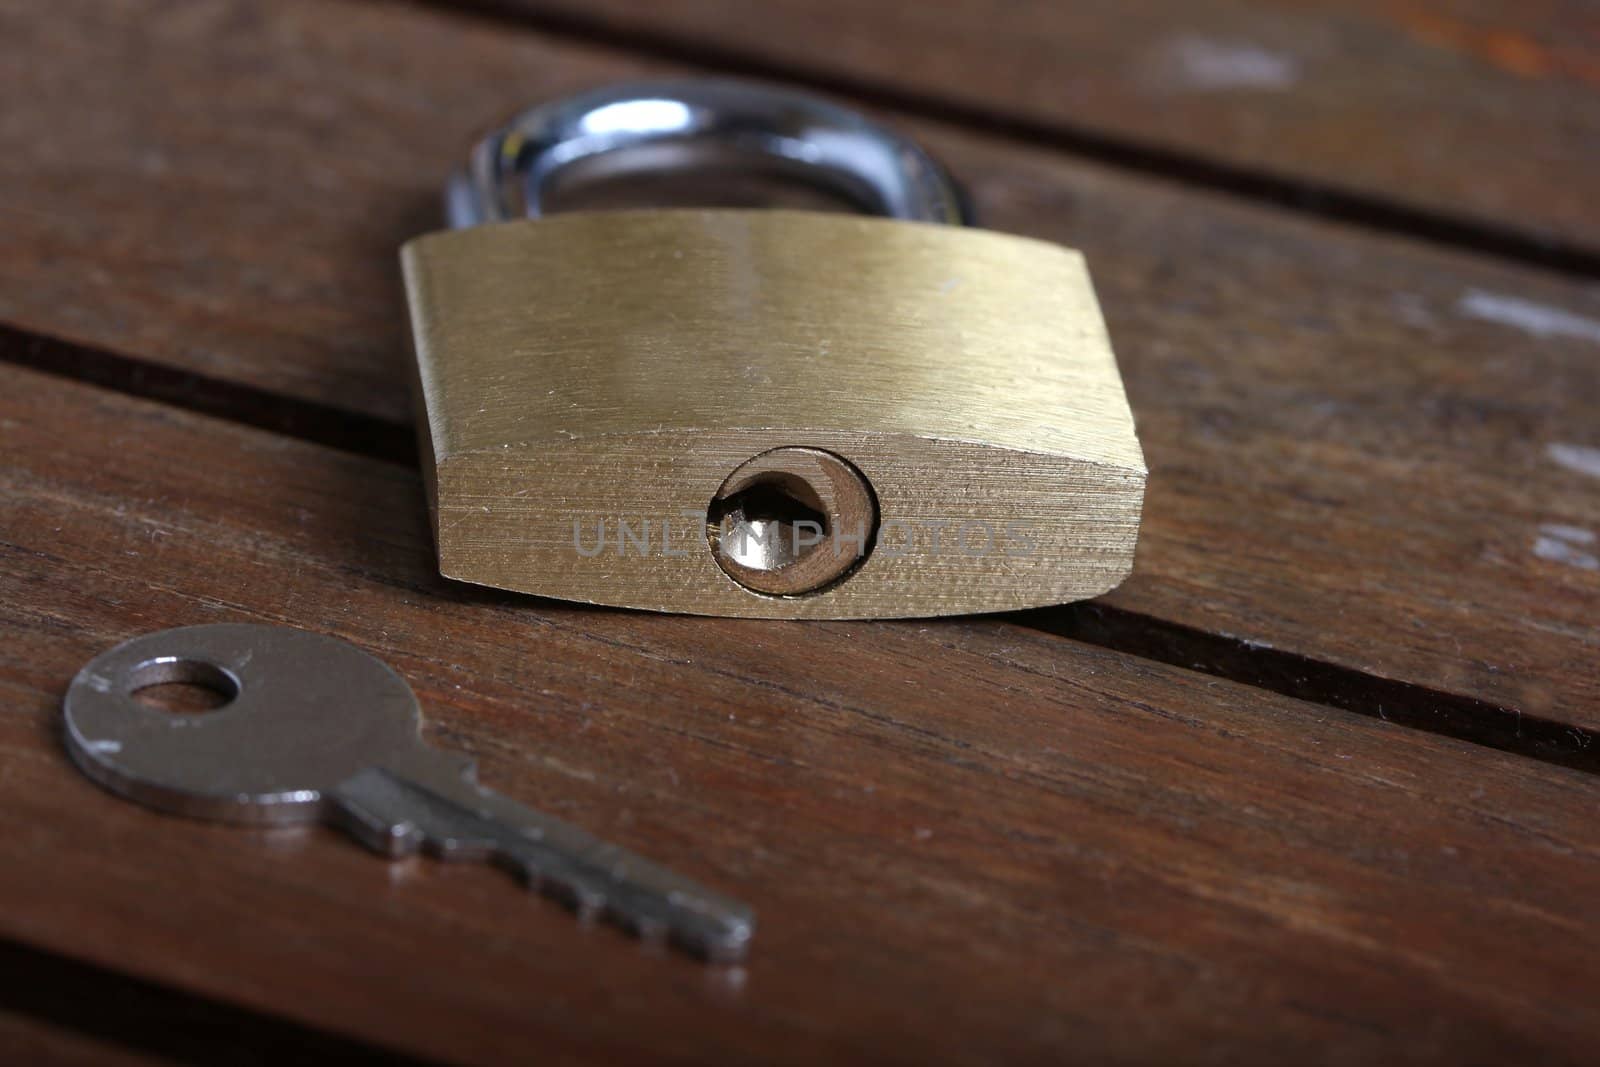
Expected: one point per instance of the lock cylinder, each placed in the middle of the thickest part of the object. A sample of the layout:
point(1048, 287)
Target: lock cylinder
point(762, 412)
point(792, 521)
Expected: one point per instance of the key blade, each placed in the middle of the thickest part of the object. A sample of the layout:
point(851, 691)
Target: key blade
point(431, 801)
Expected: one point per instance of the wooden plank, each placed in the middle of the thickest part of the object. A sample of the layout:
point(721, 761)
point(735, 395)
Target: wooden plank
point(1487, 111)
point(1363, 450)
point(24, 1039)
point(58, 1010)
point(968, 841)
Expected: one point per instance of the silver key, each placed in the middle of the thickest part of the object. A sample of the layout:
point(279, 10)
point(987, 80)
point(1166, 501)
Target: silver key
point(319, 730)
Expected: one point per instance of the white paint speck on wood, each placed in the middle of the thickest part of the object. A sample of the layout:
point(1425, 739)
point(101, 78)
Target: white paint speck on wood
point(1205, 64)
point(1537, 320)
point(1561, 543)
point(1580, 458)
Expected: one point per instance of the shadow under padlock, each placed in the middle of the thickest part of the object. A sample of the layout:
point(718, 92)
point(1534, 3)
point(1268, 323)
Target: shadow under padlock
point(772, 413)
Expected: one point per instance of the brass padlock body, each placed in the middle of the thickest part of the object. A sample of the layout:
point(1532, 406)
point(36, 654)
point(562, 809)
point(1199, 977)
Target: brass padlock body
point(588, 381)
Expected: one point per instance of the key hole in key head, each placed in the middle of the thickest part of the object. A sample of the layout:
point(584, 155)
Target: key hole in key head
point(182, 686)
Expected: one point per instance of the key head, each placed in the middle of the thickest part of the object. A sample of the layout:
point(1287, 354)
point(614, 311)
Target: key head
point(307, 712)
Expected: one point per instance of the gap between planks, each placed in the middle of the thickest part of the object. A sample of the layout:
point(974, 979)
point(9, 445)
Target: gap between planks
point(1400, 703)
point(163, 1022)
point(1322, 201)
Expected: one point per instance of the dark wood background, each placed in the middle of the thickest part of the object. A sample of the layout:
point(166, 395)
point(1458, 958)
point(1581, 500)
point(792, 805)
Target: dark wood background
point(1318, 784)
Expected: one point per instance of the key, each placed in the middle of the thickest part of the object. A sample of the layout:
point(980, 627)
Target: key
point(317, 730)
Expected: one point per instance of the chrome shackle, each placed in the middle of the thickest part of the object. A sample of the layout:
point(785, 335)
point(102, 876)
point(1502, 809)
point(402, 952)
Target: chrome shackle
point(681, 125)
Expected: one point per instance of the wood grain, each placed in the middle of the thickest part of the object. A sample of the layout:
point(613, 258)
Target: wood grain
point(1487, 110)
point(1363, 450)
point(967, 841)
point(25, 1039)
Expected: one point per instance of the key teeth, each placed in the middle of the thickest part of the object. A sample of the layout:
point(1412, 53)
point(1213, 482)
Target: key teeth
point(588, 905)
point(652, 932)
point(693, 930)
point(399, 840)
point(393, 839)
point(423, 807)
point(729, 945)
point(722, 951)
point(592, 907)
point(523, 872)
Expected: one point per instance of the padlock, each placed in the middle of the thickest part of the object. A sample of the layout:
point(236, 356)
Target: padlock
point(761, 412)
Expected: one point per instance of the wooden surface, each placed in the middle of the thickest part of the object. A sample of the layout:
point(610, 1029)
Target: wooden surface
point(23, 1039)
point(1477, 120)
point(1318, 782)
point(1353, 436)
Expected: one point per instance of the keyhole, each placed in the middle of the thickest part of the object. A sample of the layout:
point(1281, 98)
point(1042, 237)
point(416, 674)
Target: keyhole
point(770, 525)
point(792, 521)
point(182, 686)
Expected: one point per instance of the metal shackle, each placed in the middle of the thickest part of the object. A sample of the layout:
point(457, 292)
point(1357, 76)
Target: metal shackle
point(680, 125)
